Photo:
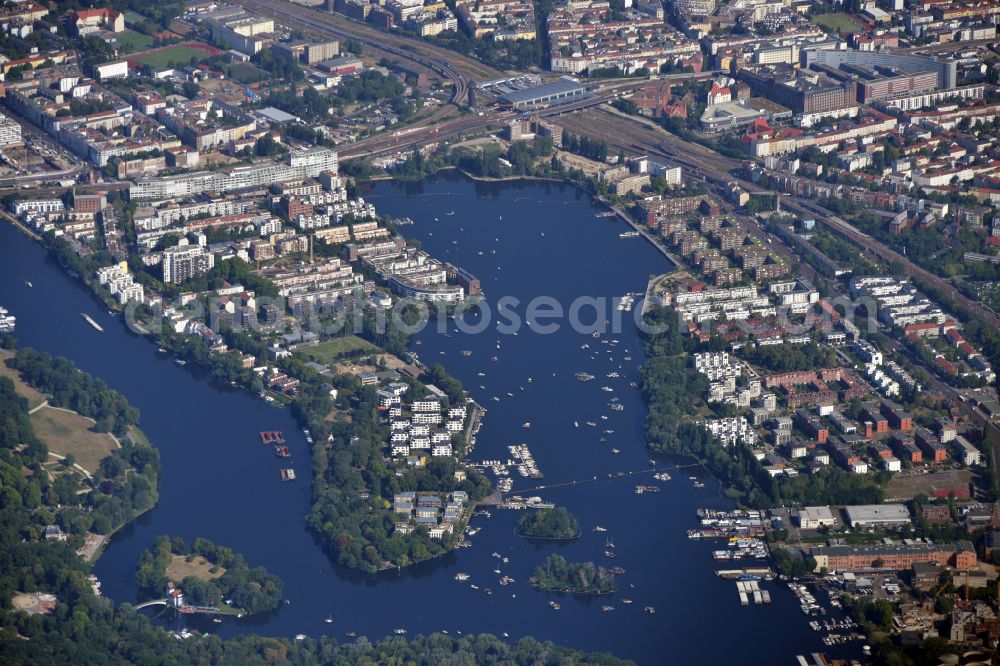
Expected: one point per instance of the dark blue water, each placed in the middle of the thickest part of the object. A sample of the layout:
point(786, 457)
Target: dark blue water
point(218, 482)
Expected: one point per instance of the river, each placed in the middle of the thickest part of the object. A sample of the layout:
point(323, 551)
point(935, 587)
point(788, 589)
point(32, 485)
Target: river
point(218, 482)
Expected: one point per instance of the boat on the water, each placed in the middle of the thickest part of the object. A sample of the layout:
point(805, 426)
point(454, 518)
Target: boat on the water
point(90, 320)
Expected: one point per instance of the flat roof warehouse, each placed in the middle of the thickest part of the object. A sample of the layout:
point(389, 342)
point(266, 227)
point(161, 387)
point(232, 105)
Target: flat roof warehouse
point(547, 93)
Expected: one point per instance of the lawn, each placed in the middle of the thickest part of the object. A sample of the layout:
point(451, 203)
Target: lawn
point(179, 54)
point(325, 352)
point(67, 433)
point(179, 568)
point(34, 397)
point(838, 22)
point(135, 41)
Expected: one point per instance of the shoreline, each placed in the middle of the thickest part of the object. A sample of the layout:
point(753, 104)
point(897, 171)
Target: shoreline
point(675, 263)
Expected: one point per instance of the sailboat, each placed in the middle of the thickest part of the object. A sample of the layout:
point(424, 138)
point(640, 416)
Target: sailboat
point(329, 619)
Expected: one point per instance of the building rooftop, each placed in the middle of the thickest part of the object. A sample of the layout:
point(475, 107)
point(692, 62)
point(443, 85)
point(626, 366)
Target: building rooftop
point(877, 513)
point(563, 86)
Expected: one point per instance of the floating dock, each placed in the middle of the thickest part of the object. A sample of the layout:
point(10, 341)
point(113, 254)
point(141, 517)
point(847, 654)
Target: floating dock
point(750, 589)
point(272, 437)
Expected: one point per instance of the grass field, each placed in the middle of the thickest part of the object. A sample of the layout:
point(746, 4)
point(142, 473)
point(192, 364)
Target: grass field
point(67, 432)
point(179, 54)
point(837, 22)
point(325, 352)
point(34, 397)
point(136, 41)
point(242, 72)
point(179, 568)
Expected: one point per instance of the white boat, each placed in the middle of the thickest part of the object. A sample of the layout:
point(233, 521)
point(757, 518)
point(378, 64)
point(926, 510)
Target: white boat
point(300, 637)
point(598, 528)
point(91, 321)
point(399, 631)
point(28, 282)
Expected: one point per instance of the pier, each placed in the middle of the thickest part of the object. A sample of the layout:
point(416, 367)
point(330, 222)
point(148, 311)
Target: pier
point(642, 231)
point(496, 499)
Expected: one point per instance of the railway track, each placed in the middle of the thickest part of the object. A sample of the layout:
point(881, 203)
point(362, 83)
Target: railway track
point(437, 60)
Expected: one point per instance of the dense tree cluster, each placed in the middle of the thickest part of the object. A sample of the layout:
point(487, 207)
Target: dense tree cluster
point(72, 389)
point(559, 575)
point(790, 358)
point(555, 523)
point(594, 149)
point(250, 590)
point(520, 54)
point(523, 158)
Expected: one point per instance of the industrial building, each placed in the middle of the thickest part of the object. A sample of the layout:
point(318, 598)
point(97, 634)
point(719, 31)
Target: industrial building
point(802, 91)
point(556, 92)
point(814, 517)
point(877, 515)
point(947, 72)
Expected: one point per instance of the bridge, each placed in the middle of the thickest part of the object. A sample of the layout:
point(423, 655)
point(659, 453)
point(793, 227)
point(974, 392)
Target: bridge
point(185, 608)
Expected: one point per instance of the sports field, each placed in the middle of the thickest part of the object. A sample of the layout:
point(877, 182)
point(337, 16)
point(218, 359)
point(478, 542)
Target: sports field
point(179, 54)
point(136, 41)
point(838, 22)
point(328, 351)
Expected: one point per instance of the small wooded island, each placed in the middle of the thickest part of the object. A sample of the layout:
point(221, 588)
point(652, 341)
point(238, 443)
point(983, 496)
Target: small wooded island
point(208, 576)
point(549, 524)
point(558, 575)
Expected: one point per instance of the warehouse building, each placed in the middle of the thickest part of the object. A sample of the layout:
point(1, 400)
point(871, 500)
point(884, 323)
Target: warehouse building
point(877, 515)
point(556, 92)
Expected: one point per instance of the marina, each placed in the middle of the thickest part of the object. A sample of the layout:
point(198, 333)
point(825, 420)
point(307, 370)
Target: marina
point(8, 322)
point(524, 462)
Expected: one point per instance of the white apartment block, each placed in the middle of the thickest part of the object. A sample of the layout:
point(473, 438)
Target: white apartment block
point(10, 132)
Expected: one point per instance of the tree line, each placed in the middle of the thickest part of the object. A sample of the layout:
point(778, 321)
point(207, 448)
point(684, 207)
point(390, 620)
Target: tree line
point(78, 391)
